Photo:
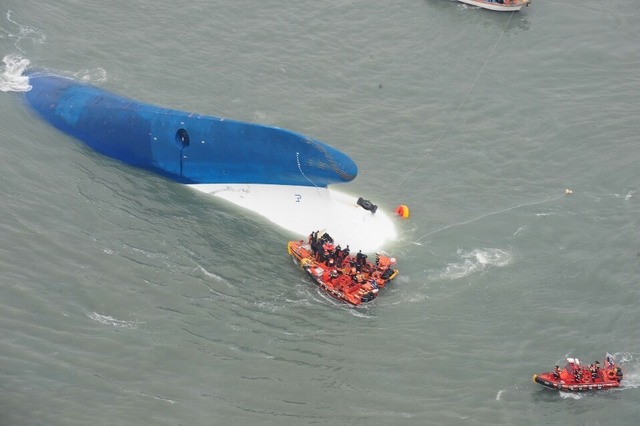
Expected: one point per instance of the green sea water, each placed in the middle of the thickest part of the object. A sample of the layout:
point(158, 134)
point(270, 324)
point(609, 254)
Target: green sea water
point(128, 299)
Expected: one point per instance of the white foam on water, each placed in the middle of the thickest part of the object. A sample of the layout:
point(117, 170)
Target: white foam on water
point(160, 398)
point(631, 379)
point(20, 32)
point(475, 261)
point(95, 75)
point(626, 196)
point(630, 365)
point(110, 321)
point(359, 312)
point(210, 274)
point(11, 78)
point(570, 395)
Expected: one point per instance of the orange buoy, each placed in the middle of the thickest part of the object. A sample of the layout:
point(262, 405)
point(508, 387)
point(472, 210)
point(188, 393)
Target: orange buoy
point(402, 211)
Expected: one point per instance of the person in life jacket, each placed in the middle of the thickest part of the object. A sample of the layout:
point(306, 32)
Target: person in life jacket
point(609, 361)
point(359, 278)
point(337, 254)
point(556, 372)
point(359, 260)
point(593, 368)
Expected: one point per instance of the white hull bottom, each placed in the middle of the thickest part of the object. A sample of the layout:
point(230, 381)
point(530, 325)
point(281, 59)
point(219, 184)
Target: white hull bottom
point(500, 7)
point(303, 209)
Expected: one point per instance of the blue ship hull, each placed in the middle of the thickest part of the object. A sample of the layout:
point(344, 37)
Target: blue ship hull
point(188, 148)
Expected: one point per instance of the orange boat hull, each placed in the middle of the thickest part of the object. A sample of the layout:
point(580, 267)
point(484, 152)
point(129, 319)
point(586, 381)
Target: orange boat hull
point(608, 378)
point(337, 281)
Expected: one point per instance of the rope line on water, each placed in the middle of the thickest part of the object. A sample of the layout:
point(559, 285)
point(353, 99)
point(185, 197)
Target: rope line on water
point(466, 96)
point(486, 215)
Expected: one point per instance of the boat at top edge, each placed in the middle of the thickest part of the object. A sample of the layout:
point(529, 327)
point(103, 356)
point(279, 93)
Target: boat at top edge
point(188, 148)
point(350, 278)
point(499, 5)
point(575, 377)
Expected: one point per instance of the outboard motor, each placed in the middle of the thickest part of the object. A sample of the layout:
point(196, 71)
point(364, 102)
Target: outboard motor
point(368, 297)
point(387, 274)
point(619, 374)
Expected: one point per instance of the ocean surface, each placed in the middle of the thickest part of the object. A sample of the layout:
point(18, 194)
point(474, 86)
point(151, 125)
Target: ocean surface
point(128, 299)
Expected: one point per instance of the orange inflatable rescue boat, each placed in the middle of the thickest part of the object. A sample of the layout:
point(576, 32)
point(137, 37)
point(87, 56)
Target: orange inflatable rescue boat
point(576, 377)
point(350, 278)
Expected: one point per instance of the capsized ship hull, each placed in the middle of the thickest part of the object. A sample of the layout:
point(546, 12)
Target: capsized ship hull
point(277, 173)
point(189, 148)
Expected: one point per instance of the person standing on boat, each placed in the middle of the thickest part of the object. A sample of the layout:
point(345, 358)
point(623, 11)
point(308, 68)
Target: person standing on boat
point(609, 361)
point(327, 251)
point(359, 258)
point(592, 370)
point(337, 254)
point(596, 374)
point(346, 260)
point(314, 238)
point(556, 372)
point(577, 373)
point(313, 242)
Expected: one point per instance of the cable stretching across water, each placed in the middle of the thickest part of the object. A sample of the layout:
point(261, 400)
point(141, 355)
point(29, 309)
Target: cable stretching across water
point(486, 215)
point(495, 45)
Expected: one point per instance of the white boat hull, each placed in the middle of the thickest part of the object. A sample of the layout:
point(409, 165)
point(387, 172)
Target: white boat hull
point(304, 209)
point(507, 6)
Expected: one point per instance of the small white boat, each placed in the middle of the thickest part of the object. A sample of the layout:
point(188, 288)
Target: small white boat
point(498, 5)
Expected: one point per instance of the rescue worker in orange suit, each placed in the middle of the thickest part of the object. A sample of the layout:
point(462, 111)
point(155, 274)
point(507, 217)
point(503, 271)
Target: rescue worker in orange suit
point(592, 370)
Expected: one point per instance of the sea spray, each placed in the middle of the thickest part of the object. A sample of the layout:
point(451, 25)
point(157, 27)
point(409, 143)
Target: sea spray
point(11, 78)
point(477, 260)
